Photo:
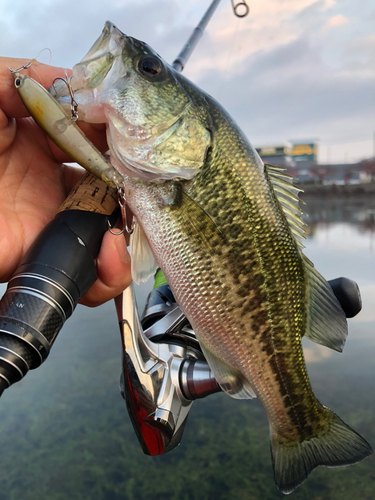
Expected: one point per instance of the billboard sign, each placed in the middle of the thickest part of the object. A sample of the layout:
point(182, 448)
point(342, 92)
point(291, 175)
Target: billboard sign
point(305, 151)
point(273, 151)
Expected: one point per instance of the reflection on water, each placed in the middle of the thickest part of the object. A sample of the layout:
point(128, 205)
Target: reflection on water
point(347, 222)
point(341, 242)
point(65, 432)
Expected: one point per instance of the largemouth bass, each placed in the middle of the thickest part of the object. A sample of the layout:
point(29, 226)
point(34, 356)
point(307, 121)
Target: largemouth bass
point(227, 232)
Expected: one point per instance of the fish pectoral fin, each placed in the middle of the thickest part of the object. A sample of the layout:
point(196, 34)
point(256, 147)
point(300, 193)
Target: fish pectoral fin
point(338, 446)
point(326, 321)
point(200, 223)
point(231, 381)
point(143, 263)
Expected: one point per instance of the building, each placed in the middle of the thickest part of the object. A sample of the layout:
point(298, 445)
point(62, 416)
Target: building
point(305, 154)
point(300, 159)
point(279, 155)
point(298, 156)
point(338, 174)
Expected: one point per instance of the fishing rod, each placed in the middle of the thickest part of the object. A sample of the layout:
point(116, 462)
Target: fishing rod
point(164, 369)
point(182, 58)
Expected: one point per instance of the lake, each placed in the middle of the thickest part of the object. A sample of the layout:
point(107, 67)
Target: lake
point(65, 432)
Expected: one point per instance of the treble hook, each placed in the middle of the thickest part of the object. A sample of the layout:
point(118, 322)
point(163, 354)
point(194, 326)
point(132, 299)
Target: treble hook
point(240, 5)
point(73, 102)
point(122, 203)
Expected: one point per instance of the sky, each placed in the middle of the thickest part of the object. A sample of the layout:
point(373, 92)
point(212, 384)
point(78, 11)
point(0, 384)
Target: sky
point(290, 70)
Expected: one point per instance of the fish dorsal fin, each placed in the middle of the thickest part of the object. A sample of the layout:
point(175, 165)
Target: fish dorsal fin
point(287, 195)
point(326, 321)
point(143, 263)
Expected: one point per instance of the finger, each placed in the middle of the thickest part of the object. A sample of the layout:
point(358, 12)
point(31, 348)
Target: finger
point(10, 101)
point(114, 271)
point(71, 174)
point(12, 106)
point(7, 132)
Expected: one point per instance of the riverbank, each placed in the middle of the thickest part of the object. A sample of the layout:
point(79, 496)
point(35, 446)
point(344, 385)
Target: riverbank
point(337, 191)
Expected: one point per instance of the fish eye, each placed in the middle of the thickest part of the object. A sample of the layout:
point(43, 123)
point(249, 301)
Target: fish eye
point(150, 66)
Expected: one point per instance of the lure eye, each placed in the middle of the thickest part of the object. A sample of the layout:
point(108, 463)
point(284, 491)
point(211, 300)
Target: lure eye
point(17, 82)
point(150, 66)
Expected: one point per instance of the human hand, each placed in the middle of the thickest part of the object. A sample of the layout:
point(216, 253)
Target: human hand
point(34, 182)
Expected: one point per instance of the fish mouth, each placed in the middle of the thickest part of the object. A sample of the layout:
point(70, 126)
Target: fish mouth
point(94, 87)
point(109, 41)
point(92, 70)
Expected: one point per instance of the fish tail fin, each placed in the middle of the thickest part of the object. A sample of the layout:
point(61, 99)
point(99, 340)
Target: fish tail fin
point(338, 446)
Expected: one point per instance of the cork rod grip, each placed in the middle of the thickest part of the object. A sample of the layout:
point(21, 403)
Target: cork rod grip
point(91, 194)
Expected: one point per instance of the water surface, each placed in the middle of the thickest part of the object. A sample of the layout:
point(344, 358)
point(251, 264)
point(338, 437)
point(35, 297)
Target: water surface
point(65, 432)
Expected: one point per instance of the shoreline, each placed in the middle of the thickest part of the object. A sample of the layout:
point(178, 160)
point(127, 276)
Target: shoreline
point(337, 191)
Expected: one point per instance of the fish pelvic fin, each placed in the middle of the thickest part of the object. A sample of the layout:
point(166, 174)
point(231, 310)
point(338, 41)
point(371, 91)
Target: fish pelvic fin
point(339, 446)
point(143, 263)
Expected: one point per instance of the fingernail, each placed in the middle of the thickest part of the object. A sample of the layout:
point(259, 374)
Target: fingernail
point(122, 249)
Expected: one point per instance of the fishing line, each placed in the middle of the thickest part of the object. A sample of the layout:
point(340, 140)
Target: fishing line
point(36, 60)
point(31, 62)
point(50, 55)
point(223, 81)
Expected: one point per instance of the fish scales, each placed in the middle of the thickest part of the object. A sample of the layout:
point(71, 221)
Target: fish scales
point(245, 277)
point(225, 229)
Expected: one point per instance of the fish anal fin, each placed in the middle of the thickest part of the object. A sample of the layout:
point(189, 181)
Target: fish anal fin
point(231, 381)
point(338, 446)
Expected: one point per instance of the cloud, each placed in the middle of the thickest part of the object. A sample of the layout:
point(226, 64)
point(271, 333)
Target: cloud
point(362, 49)
point(277, 71)
point(270, 25)
point(283, 77)
point(315, 353)
point(335, 21)
point(367, 315)
point(290, 92)
point(69, 27)
point(328, 4)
